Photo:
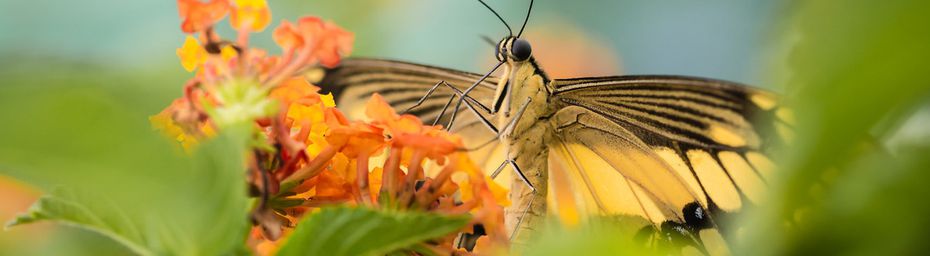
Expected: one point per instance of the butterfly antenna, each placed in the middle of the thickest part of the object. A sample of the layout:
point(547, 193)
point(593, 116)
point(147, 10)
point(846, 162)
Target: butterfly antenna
point(527, 19)
point(488, 40)
point(498, 16)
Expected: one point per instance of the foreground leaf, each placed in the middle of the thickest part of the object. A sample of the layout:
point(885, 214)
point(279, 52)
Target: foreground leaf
point(858, 70)
point(362, 231)
point(600, 236)
point(111, 173)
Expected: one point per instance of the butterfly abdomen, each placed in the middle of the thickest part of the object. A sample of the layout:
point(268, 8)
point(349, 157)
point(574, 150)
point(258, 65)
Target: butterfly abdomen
point(527, 144)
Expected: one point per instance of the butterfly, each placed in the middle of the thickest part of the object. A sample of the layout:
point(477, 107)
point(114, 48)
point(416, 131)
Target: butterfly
point(676, 151)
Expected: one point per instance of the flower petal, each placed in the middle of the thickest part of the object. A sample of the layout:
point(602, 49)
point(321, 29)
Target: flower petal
point(198, 16)
point(287, 36)
point(192, 54)
point(250, 15)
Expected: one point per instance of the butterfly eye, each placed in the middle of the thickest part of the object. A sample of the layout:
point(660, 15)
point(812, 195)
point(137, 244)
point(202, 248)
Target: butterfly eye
point(521, 50)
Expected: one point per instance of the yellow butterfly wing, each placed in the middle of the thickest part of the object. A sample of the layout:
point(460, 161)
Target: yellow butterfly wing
point(609, 171)
point(662, 142)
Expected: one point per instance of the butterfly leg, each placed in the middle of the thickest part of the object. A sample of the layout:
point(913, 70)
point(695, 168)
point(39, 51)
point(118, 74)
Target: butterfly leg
point(526, 209)
point(458, 105)
point(443, 112)
point(469, 98)
point(469, 104)
point(426, 96)
point(516, 169)
point(513, 163)
point(433, 89)
point(513, 122)
point(529, 204)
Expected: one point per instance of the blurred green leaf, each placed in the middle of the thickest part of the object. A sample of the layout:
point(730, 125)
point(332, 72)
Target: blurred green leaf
point(93, 212)
point(856, 63)
point(598, 237)
point(41, 239)
point(362, 231)
point(113, 174)
point(875, 209)
point(857, 67)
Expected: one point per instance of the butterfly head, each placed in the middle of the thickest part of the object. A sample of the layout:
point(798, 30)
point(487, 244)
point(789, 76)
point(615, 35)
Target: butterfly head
point(513, 48)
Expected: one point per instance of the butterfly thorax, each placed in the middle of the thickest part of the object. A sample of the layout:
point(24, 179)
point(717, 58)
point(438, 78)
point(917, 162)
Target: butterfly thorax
point(526, 143)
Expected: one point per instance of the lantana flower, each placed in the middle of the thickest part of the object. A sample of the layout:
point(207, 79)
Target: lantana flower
point(305, 153)
point(252, 15)
point(198, 16)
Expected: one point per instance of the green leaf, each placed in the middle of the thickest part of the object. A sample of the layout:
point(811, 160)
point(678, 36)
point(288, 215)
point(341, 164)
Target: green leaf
point(361, 231)
point(858, 69)
point(93, 212)
point(600, 236)
point(111, 173)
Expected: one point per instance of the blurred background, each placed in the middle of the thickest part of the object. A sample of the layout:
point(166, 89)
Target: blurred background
point(128, 48)
point(725, 39)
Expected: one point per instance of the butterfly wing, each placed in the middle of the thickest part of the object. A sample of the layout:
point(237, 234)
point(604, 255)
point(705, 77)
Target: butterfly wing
point(402, 84)
point(598, 168)
point(668, 140)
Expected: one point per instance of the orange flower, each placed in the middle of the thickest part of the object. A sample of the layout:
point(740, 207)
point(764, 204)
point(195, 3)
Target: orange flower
point(488, 194)
point(332, 186)
point(198, 16)
point(409, 131)
point(329, 41)
point(294, 90)
point(306, 153)
point(250, 15)
point(375, 178)
point(287, 36)
point(356, 139)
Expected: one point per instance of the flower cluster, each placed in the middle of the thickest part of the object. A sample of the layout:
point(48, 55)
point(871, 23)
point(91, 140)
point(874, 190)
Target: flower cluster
point(306, 153)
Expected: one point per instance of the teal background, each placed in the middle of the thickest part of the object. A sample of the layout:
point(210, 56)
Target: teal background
point(725, 39)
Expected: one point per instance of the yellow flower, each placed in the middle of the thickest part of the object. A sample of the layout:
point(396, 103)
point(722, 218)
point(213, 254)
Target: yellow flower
point(192, 54)
point(328, 100)
point(251, 15)
point(228, 52)
point(165, 122)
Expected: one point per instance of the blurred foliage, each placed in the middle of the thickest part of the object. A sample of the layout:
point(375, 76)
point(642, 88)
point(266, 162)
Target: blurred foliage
point(857, 72)
point(598, 237)
point(110, 172)
point(55, 239)
point(360, 231)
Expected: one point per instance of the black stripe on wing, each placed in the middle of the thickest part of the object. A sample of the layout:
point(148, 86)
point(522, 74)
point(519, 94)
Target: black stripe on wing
point(402, 84)
point(697, 112)
point(708, 130)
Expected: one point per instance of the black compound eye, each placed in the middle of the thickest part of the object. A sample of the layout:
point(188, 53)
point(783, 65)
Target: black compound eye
point(521, 50)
